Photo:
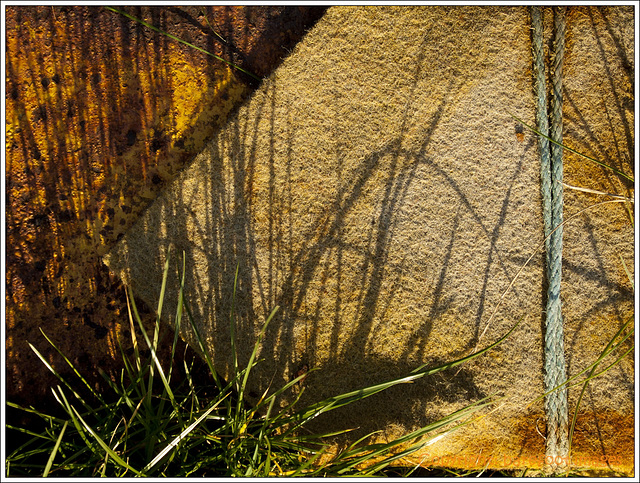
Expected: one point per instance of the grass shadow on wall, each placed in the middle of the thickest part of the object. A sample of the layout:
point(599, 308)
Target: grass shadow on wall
point(336, 268)
point(344, 239)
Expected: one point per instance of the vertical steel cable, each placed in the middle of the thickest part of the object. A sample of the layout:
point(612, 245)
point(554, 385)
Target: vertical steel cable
point(556, 406)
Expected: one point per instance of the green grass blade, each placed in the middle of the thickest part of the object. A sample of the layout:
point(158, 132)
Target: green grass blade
point(591, 376)
point(598, 374)
point(179, 438)
point(156, 330)
point(232, 323)
point(36, 436)
point(266, 422)
point(250, 364)
point(65, 404)
point(573, 150)
point(104, 445)
point(626, 270)
point(267, 400)
point(284, 414)
point(156, 362)
point(51, 419)
point(201, 345)
point(70, 364)
point(48, 366)
point(163, 288)
point(133, 312)
point(179, 309)
point(212, 29)
point(182, 41)
point(471, 356)
point(47, 468)
point(154, 345)
point(306, 468)
point(419, 434)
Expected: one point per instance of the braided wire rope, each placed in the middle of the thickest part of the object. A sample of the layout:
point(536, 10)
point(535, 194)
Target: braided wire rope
point(551, 173)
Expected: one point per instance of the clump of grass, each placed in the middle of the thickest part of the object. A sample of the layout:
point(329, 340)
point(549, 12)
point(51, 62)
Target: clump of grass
point(157, 425)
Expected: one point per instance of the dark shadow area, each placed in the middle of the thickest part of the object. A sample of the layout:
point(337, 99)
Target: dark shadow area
point(94, 132)
point(256, 38)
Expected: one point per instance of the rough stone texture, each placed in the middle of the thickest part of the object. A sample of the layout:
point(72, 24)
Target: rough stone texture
point(101, 115)
point(377, 189)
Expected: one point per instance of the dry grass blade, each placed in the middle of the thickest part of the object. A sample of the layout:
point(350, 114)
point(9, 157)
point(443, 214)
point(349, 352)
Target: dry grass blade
point(596, 192)
point(564, 146)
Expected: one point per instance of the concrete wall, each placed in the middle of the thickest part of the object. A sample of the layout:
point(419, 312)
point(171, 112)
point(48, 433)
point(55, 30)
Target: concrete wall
point(378, 190)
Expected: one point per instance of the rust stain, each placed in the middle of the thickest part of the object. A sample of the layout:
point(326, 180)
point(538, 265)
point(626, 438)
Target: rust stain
point(611, 456)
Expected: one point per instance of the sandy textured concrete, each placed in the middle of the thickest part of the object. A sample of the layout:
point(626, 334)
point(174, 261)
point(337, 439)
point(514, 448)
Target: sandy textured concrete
point(377, 189)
